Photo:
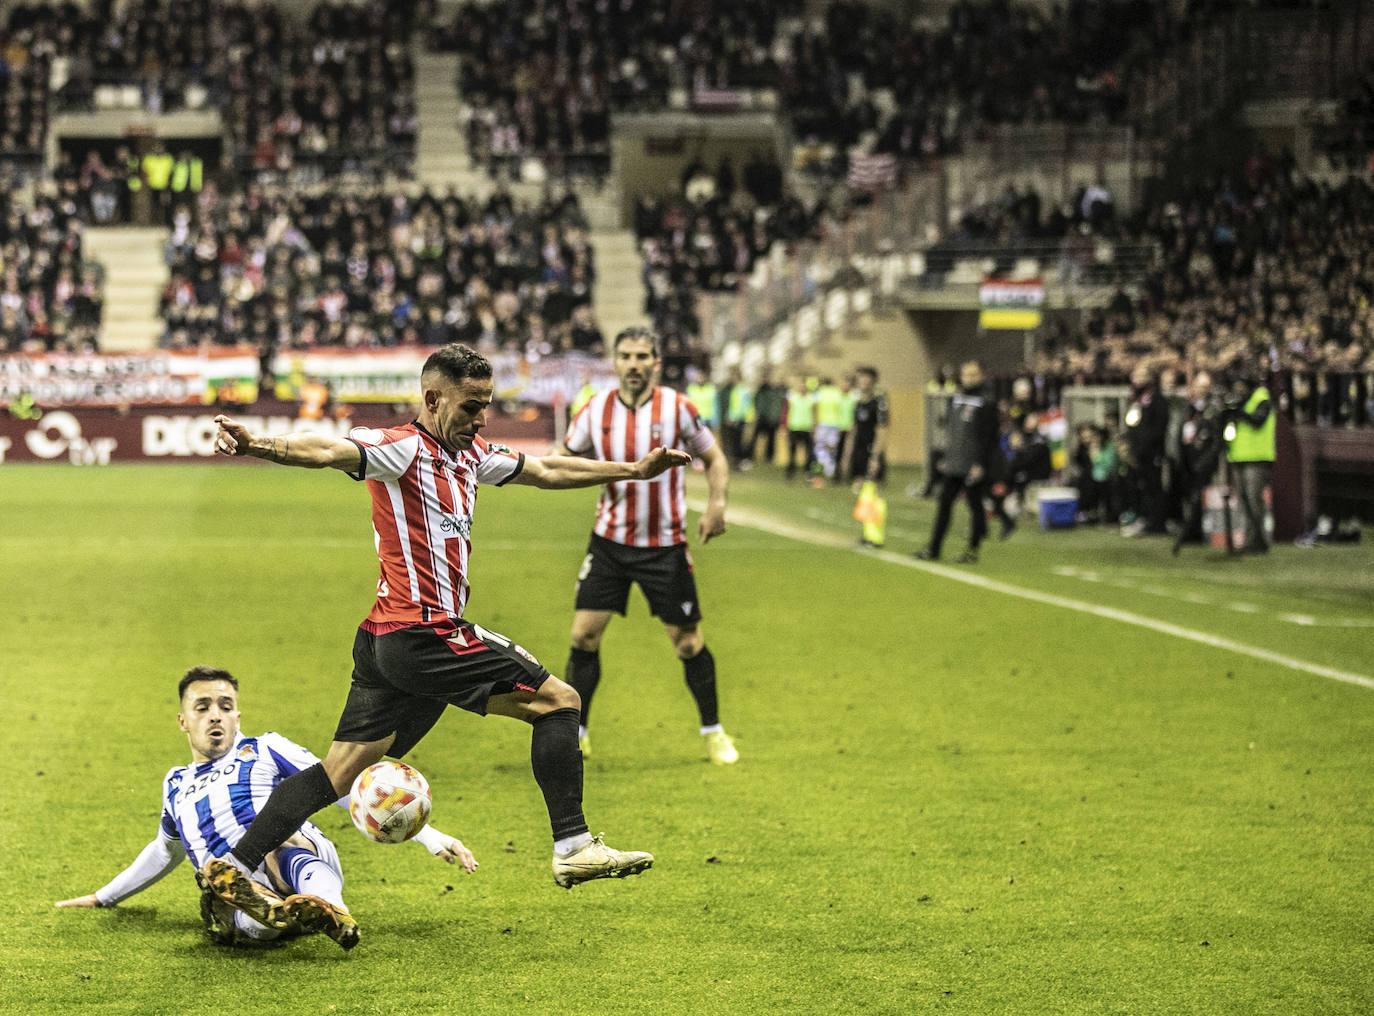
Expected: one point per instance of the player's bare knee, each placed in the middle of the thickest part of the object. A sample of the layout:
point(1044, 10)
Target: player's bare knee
point(297, 839)
point(556, 694)
point(586, 641)
point(687, 642)
point(346, 760)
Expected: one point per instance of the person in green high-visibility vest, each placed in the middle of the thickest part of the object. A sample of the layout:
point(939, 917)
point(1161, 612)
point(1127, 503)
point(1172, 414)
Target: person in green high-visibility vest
point(701, 393)
point(1250, 445)
point(849, 399)
point(830, 414)
point(187, 175)
point(800, 420)
point(157, 171)
point(737, 412)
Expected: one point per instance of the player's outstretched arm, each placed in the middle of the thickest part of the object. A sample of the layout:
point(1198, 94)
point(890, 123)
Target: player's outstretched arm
point(153, 862)
point(563, 472)
point(446, 848)
point(310, 451)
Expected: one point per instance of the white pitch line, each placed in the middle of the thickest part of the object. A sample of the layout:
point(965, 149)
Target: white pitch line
point(745, 517)
point(1240, 607)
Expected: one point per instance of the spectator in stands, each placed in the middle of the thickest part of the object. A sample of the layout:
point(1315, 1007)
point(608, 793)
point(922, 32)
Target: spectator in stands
point(369, 269)
point(53, 296)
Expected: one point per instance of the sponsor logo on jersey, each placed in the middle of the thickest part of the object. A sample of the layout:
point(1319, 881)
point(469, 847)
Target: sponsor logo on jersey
point(201, 781)
point(456, 525)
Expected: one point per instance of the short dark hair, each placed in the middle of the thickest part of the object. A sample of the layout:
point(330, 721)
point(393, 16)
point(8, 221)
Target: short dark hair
point(457, 362)
point(637, 332)
point(870, 371)
point(204, 673)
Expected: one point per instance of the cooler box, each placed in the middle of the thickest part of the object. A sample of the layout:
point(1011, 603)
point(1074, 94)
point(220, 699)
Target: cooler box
point(1058, 507)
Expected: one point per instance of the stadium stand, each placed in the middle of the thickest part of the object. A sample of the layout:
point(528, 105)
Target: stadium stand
point(282, 247)
point(51, 298)
point(374, 268)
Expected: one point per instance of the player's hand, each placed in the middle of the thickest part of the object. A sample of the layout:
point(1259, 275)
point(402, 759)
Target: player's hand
point(453, 852)
point(975, 474)
point(711, 523)
point(79, 901)
point(660, 460)
point(231, 438)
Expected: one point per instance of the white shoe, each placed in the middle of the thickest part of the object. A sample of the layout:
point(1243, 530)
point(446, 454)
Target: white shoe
point(720, 749)
point(596, 860)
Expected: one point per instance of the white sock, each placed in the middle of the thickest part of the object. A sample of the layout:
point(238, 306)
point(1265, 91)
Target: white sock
point(571, 844)
point(253, 929)
point(315, 878)
point(711, 729)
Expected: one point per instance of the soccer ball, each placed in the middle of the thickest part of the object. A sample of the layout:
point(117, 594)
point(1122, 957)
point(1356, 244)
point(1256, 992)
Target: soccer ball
point(389, 802)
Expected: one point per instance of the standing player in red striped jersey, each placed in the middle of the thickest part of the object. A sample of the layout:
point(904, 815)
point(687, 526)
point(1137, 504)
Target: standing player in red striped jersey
point(639, 535)
point(416, 654)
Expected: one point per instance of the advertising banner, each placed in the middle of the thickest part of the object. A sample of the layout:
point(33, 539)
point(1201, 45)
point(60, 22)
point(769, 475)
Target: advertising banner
point(98, 437)
point(234, 375)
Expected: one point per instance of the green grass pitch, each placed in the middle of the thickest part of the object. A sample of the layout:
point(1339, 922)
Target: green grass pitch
point(951, 799)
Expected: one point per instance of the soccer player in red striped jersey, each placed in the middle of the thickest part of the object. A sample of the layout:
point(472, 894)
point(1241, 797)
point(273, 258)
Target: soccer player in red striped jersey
point(416, 654)
point(639, 536)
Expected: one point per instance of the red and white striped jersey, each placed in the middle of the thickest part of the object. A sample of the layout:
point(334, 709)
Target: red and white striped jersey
point(423, 501)
point(640, 513)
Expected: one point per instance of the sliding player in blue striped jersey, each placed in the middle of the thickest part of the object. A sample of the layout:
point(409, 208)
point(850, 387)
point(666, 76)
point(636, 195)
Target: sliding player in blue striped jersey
point(208, 804)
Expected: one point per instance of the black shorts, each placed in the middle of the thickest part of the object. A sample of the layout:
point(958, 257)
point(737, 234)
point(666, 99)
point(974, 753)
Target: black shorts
point(403, 681)
point(663, 573)
point(858, 462)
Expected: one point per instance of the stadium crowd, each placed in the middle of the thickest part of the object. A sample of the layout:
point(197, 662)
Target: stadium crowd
point(374, 268)
point(595, 58)
point(1266, 265)
point(27, 50)
point(332, 93)
point(51, 298)
point(919, 87)
point(707, 236)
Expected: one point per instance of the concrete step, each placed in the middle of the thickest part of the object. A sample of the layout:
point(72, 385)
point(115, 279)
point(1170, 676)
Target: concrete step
point(124, 340)
point(135, 273)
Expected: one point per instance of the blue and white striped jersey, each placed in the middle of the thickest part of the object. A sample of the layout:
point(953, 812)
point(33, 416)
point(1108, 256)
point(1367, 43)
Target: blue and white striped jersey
point(208, 805)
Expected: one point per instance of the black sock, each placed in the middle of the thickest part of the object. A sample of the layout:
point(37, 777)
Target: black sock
point(557, 768)
point(291, 802)
point(584, 673)
point(701, 679)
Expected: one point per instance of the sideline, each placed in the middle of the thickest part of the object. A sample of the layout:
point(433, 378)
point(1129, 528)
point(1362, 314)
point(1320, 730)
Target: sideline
point(778, 527)
point(1123, 582)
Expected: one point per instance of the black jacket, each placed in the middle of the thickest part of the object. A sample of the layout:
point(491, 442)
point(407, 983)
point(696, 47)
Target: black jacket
point(971, 433)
